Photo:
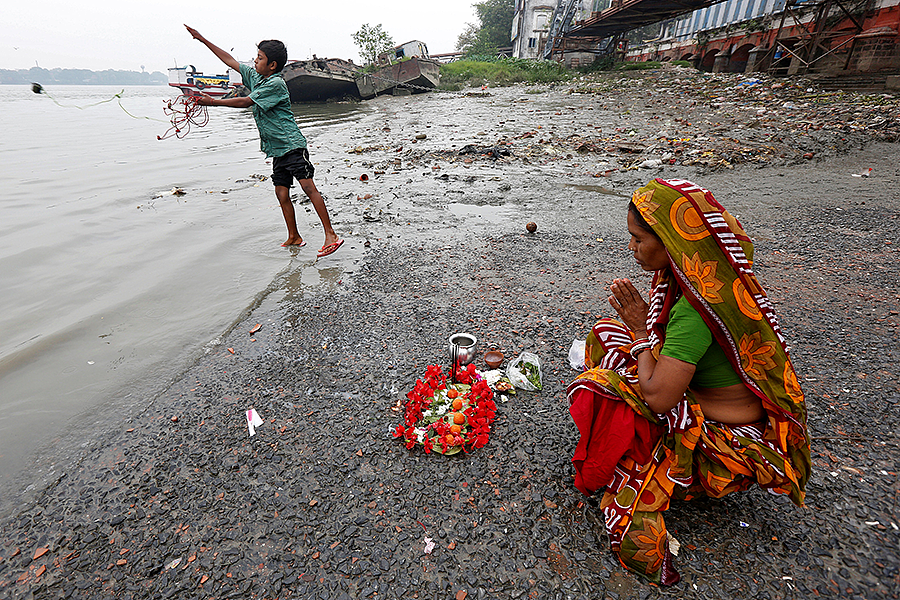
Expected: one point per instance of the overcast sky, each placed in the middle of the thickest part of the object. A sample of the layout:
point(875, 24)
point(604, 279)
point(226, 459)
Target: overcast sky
point(124, 35)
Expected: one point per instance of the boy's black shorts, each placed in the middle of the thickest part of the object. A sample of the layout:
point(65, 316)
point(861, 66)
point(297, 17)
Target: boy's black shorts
point(293, 164)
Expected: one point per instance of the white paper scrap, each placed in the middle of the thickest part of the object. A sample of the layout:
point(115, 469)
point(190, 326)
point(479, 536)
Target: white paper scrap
point(674, 545)
point(253, 421)
point(429, 545)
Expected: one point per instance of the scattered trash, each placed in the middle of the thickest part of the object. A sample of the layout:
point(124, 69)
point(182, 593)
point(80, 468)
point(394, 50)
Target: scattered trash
point(742, 524)
point(674, 545)
point(649, 163)
point(363, 177)
point(864, 173)
point(531, 226)
point(429, 545)
point(255, 328)
point(576, 355)
point(525, 372)
point(253, 421)
point(173, 564)
point(490, 151)
point(177, 191)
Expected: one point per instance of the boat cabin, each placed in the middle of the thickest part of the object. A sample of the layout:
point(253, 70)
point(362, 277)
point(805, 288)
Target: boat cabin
point(192, 82)
point(411, 49)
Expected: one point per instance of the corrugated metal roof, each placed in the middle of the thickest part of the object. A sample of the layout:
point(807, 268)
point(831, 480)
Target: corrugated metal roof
point(631, 14)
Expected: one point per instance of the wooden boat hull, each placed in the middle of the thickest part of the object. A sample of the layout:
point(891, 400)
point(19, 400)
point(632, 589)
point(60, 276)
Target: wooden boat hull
point(319, 80)
point(416, 75)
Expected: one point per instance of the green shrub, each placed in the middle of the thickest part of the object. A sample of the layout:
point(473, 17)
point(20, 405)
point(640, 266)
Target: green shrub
point(487, 70)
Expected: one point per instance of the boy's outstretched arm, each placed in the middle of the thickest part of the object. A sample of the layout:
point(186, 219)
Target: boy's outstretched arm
point(236, 102)
point(221, 54)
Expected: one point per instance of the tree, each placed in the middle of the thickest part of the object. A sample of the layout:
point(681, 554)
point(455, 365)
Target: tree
point(467, 38)
point(371, 42)
point(496, 27)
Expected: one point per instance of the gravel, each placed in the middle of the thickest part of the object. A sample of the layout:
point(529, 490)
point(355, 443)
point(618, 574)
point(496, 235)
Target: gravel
point(174, 499)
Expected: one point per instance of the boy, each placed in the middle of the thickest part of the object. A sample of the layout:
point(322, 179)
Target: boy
point(279, 135)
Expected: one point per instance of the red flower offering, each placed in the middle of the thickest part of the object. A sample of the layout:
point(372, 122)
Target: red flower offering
point(448, 417)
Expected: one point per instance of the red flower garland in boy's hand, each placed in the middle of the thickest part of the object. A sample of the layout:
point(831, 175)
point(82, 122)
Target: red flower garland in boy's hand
point(479, 413)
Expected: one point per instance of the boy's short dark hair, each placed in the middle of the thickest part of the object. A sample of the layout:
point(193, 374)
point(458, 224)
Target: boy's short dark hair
point(274, 51)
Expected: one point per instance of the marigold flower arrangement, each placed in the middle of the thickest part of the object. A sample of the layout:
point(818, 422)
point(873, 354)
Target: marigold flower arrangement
point(448, 417)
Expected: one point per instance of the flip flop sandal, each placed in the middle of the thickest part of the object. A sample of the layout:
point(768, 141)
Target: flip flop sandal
point(329, 249)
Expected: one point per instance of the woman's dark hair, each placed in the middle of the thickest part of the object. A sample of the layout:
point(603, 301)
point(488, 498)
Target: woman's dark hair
point(274, 51)
point(639, 219)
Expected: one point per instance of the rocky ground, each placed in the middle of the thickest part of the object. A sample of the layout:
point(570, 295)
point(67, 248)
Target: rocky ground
point(176, 500)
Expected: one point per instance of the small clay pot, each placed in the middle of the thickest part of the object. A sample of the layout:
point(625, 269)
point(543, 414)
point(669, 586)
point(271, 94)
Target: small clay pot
point(493, 359)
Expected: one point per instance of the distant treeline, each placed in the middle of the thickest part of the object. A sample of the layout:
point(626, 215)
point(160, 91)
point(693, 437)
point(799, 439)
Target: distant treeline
point(81, 77)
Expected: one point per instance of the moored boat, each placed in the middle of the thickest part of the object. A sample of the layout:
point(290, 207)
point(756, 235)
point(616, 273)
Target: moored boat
point(406, 68)
point(192, 82)
point(320, 79)
point(416, 74)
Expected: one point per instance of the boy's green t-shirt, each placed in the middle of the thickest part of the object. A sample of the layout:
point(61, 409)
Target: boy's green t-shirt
point(688, 338)
point(278, 132)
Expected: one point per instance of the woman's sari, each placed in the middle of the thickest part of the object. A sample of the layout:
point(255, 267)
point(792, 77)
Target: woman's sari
point(641, 460)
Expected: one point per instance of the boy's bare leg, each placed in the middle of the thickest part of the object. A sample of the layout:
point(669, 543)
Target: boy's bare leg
point(283, 193)
point(309, 188)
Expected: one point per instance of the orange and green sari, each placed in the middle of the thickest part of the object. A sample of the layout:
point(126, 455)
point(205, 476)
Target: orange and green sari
point(641, 460)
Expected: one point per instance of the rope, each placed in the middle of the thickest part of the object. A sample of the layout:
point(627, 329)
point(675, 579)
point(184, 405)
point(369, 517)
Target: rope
point(183, 112)
point(39, 89)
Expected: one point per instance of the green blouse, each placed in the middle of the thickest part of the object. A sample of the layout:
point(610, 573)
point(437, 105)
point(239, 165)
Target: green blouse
point(689, 339)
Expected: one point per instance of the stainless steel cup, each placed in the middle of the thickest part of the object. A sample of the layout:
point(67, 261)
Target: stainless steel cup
point(462, 348)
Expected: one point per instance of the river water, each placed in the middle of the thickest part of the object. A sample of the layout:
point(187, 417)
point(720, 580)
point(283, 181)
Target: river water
point(111, 285)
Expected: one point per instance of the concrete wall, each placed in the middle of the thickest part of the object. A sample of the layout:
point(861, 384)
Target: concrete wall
point(531, 24)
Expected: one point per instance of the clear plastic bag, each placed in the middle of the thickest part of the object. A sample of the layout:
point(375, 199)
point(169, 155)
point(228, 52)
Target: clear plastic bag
point(531, 379)
point(576, 355)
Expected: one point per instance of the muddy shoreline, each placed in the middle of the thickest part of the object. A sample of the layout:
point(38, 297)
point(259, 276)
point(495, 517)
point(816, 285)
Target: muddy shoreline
point(323, 503)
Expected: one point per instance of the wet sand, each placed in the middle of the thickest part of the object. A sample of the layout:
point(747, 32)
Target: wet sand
point(323, 503)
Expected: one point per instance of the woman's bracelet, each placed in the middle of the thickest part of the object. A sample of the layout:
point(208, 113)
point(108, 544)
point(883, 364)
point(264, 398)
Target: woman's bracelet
point(639, 346)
